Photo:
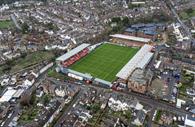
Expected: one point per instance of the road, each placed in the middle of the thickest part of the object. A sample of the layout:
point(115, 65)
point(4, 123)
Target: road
point(61, 119)
point(16, 108)
point(159, 104)
point(15, 21)
point(153, 103)
point(58, 123)
point(149, 122)
point(187, 31)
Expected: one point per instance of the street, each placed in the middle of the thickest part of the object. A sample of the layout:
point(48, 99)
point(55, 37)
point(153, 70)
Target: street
point(153, 103)
point(61, 119)
point(171, 7)
point(16, 106)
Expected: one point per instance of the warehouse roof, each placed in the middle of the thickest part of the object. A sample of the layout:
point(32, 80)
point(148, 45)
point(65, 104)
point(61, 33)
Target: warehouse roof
point(89, 77)
point(140, 60)
point(190, 120)
point(130, 30)
point(132, 38)
point(138, 25)
point(7, 95)
point(18, 93)
point(103, 82)
point(150, 32)
point(72, 52)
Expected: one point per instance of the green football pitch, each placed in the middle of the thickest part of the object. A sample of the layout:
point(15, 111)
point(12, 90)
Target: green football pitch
point(105, 61)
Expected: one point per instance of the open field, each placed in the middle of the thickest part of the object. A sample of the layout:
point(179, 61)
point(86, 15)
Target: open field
point(105, 62)
point(5, 24)
point(32, 59)
point(52, 73)
point(187, 15)
point(25, 62)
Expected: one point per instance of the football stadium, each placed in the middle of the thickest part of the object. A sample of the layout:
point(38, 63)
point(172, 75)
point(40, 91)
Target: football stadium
point(103, 63)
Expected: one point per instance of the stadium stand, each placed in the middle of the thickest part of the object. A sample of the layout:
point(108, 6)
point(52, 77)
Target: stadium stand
point(140, 60)
point(132, 38)
point(73, 56)
point(85, 76)
point(103, 82)
point(129, 40)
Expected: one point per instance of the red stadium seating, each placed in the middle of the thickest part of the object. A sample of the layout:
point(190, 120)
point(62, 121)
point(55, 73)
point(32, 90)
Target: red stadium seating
point(75, 58)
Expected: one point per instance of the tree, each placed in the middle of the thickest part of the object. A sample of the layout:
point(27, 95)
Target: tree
point(116, 19)
point(25, 28)
point(46, 99)
point(128, 114)
point(25, 99)
point(23, 55)
point(125, 21)
point(7, 68)
point(33, 99)
point(131, 6)
point(28, 98)
point(189, 11)
point(50, 26)
point(117, 28)
point(95, 108)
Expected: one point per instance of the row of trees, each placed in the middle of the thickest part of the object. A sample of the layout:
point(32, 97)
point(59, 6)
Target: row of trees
point(26, 29)
point(118, 24)
point(132, 6)
point(7, 1)
point(121, 22)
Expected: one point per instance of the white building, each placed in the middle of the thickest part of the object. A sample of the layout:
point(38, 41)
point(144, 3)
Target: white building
point(7, 96)
point(190, 121)
point(179, 103)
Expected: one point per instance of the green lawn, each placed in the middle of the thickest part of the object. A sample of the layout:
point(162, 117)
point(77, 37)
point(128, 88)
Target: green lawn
point(105, 62)
point(187, 81)
point(187, 15)
point(28, 115)
point(158, 115)
point(52, 73)
point(5, 24)
point(26, 61)
point(32, 59)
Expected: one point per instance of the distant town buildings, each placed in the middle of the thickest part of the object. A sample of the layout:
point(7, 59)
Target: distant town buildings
point(155, 86)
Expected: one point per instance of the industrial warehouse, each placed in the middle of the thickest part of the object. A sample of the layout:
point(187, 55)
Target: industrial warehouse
point(107, 63)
